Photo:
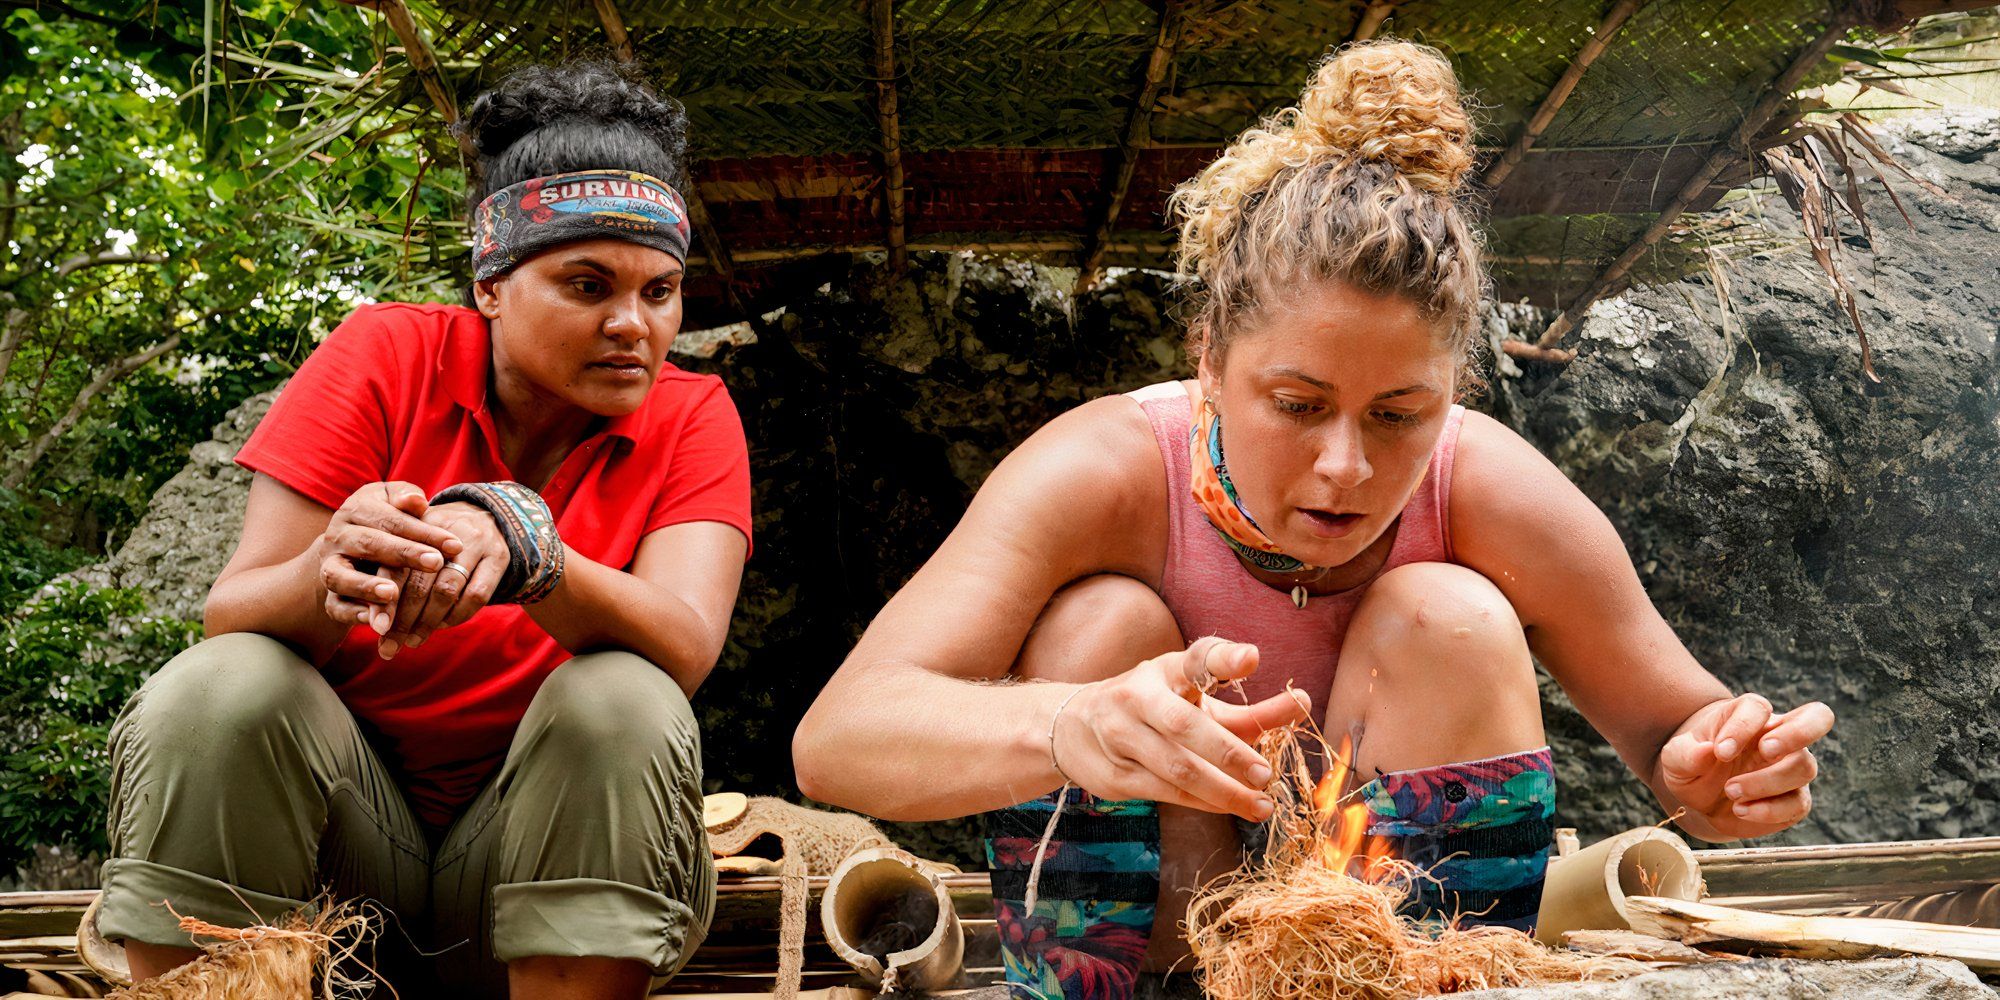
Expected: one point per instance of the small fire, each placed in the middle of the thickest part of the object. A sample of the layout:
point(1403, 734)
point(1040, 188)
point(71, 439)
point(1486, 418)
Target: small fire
point(1344, 843)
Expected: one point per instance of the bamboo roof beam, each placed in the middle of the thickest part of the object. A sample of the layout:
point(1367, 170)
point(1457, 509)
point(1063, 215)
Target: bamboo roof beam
point(881, 18)
point(614, 31)
point(1545, 112)
point(1736, 145)
point(718, 257)
point(1138, 126)
point(1372, 16)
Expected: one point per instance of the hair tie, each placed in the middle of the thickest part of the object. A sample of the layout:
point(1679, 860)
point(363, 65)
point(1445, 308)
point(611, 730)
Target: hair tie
point(534, 550)
point(523, 219)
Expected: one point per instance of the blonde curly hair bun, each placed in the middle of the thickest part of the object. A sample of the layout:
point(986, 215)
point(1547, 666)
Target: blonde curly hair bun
point(1391, 101)
point(1363, 181)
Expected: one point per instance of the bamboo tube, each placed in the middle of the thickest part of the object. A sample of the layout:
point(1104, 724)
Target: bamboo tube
point(879, 887)
point(1587, 890)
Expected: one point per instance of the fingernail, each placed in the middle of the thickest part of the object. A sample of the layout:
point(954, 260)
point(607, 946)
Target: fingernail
point(1262, 810)
point(415, 641)
point(380, 623)
point(1742, 810)
point(1260, 774)
point(386, 592)
point(1771, 747)
point(431, 561)
point(390, 648)
point(1734, 791)
point(1725, 749)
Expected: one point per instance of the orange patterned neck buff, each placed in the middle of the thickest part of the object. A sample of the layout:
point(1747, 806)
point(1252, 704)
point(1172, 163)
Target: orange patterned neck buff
point(1218, 499)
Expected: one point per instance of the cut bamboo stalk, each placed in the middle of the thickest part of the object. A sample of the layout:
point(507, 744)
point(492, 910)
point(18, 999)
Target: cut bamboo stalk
point(614, 30)
point(1545, 112)
point(1788, 936)
point(1730, 150)
point(1137, 126)
point(1588, 890)
point(1853, 873)
point(882, 22)
point(881, 886)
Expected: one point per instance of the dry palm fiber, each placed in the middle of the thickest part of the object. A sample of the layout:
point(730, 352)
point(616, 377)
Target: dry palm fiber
point(811, 842)
point(1296, 926)
point(299, 958)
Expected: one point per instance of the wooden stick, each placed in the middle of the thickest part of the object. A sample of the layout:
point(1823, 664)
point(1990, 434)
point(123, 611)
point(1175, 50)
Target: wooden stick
point(1531, 352)
point(1372, 17)
point(881, 20)
point(718, 258)
point(1545, 112)
point(614, 30)
point(1722, 155)
point(1137, 127)
point(1733, 929)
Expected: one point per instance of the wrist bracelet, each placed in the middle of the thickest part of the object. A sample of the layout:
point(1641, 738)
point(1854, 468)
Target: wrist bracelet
point(1052, 733)
point(534, 550)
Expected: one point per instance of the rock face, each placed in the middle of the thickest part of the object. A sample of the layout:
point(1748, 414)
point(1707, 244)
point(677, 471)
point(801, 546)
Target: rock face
point(190, 529)
point(1775, 979)
point(1808, 536)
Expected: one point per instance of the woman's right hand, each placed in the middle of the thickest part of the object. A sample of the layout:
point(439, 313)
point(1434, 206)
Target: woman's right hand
point(379, 527)
point(1152, 733)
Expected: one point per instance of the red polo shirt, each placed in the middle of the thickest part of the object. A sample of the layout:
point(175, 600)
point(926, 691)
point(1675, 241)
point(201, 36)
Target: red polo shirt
point(398, 392)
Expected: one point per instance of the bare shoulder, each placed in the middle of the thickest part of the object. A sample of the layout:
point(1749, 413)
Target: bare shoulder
point(1513, 513)
point(1092, 478)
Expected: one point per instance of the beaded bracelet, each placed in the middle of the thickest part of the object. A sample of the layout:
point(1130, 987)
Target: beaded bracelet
point(534, 550)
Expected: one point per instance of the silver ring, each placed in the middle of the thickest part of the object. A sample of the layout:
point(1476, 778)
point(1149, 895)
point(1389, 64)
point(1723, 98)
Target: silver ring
point(462, 571)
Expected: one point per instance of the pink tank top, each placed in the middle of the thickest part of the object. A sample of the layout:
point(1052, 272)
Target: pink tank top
point(1210, 593)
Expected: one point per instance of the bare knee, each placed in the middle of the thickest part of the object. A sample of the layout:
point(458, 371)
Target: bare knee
point(1442, 616)
point(1436, 668)
point(1097, 627)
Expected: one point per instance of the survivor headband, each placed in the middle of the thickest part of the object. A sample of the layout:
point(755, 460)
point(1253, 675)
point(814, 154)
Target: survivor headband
point(518, 221)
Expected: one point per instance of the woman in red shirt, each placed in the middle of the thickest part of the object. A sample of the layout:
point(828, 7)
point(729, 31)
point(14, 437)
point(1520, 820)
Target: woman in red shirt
point(488, 556)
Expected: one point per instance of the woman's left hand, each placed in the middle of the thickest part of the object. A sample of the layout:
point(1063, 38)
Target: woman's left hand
point(1744, 767)
point(427, 602)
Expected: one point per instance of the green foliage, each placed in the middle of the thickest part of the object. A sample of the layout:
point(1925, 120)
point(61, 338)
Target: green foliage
point(67, 665)
point(178, 230)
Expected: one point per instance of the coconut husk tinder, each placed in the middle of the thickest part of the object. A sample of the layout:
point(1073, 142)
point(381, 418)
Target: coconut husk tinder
point(1294, 926)
point(298, 958)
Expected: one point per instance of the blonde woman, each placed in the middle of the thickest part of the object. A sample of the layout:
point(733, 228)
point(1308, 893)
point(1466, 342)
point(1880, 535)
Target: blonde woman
point(1369, 553)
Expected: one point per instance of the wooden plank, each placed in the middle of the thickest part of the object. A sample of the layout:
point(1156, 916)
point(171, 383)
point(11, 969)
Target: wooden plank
point(37, 921)
point(1790, 936)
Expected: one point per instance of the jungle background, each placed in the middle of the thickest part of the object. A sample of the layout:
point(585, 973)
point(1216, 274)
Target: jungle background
point(193, 194)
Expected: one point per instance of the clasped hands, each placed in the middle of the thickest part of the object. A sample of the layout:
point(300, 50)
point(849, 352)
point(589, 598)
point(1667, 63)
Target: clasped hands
point(391, 561)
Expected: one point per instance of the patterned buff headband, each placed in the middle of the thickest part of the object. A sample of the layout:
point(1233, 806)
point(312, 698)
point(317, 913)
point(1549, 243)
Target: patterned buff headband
point(1217, 497)
point(518, 221)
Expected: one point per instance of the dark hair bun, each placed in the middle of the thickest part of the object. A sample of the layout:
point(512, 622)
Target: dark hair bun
point(545, 120)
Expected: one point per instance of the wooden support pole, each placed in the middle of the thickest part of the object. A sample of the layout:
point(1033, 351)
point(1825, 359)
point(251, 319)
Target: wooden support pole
point(1372, 17)
point(718, 257)
point(1545, 112)
point(1724, 153)
point(614, 30)
point(881, 17)
point(1137, 126)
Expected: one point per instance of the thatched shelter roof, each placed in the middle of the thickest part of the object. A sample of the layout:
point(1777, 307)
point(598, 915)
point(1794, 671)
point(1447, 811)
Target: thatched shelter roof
point(1057, 127)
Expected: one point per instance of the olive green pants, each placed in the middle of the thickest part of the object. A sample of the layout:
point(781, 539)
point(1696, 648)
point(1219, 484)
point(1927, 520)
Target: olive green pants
point(241, 785)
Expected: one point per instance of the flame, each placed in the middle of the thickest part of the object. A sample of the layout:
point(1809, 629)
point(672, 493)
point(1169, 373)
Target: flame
point(1344, 843)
